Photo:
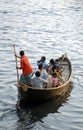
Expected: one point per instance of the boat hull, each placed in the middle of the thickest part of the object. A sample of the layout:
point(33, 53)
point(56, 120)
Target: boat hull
point(34, 95)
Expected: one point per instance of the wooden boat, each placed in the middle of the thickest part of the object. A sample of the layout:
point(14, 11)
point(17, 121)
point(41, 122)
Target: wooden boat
point(35, 95)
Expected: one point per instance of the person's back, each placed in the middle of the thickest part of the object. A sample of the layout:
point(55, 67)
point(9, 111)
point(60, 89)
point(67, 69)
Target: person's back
point(55, 80)
point(37, 81)
point(25, 65)
point(26, 68)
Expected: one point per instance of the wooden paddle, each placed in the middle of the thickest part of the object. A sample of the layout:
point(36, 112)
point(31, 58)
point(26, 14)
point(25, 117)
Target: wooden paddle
point(16, 63)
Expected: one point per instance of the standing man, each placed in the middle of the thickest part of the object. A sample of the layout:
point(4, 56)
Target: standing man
point(26, 67)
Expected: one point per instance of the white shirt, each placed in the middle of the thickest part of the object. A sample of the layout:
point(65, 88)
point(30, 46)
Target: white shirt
point(38, 82)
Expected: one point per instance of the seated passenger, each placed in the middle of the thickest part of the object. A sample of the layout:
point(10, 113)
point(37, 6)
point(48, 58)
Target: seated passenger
point(59, 73)
point(53, 65)
point(43, 72)
point(42, 61)
point(48, 70)
point(49, 85)
point(55, 80)
point(37, 81)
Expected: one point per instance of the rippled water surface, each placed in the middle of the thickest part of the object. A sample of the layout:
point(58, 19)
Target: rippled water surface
point(41, 27)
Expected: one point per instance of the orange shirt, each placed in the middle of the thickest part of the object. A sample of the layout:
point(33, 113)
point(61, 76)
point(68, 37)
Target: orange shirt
point(25, 65)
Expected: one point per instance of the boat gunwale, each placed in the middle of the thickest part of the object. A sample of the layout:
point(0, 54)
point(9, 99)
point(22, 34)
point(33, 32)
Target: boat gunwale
point(50, 88)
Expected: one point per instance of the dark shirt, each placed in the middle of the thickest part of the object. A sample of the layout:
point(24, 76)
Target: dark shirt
point(54, 66)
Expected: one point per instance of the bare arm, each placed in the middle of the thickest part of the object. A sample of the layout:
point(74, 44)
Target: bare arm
point(18, 67)
point(17, 56)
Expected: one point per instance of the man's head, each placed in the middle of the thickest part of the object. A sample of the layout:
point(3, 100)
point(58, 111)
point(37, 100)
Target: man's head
point(21, 53)
point(37, 73)
point(40, 66)
point(52, 61)
point(43, 58)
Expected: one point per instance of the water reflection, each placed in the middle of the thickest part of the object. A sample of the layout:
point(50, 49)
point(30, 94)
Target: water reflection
point(29, 115)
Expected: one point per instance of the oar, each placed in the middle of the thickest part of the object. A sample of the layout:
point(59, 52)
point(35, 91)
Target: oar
point(16, 63)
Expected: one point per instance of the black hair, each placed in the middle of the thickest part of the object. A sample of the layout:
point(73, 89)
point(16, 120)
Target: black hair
point(54, 74)
point(37, 73)
point(43, 58)
point(52, 61)
point(21, 53)
point(40, 66)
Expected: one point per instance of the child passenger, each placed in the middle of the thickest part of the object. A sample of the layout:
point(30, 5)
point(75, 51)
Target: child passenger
point(59, 73)
point(55, 80)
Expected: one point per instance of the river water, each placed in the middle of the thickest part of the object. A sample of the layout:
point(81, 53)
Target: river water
point(41, 27)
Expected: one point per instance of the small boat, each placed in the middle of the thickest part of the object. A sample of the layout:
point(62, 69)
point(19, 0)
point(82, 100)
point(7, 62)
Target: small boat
point(30, 94)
